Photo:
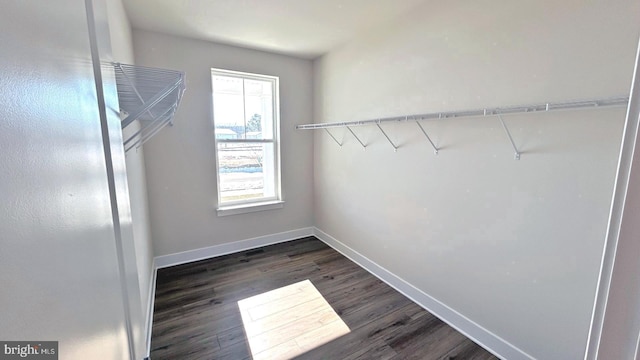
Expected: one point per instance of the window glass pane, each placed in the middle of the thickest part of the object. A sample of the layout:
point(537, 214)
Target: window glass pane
point(228, 107)
point(258, 100)
point(242, 108)
point(247, 171)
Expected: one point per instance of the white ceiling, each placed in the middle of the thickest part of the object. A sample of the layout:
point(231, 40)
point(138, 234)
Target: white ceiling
point(303, 28)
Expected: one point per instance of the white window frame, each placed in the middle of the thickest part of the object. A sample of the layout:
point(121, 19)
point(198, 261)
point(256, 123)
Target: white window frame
point(256, 204)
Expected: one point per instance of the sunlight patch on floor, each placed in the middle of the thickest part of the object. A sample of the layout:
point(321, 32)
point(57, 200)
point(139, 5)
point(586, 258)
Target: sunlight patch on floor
point(289, 321)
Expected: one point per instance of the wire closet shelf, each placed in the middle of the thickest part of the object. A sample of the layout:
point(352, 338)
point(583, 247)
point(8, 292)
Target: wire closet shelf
point(492, 112)
point(148, 97)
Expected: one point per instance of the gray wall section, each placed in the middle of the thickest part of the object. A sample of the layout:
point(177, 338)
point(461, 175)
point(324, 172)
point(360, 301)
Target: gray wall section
point(515, 246)
point(180, 160)
point(59, 261)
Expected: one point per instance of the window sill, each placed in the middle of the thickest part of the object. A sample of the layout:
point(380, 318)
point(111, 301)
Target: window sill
point(249, 208)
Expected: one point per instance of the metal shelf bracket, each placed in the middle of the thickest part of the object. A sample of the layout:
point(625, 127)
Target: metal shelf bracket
point(435, 148)
point(395, 147)
point(516, 153)
point(357, 138)
point(333, 137)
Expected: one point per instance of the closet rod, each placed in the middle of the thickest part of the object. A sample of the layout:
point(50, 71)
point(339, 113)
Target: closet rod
point(617, 101)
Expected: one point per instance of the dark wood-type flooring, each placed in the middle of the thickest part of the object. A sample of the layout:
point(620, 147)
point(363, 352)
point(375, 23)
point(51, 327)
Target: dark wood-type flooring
point(196, 313)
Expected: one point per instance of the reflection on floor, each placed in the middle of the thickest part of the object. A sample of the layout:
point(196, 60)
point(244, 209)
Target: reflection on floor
point(289, 321)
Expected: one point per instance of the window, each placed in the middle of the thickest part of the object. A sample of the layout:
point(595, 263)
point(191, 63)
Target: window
point(246, 122)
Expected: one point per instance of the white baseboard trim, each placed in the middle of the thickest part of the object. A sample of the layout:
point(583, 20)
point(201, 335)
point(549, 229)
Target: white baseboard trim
point(150, 304)
point(485, 338)
point(230, 248)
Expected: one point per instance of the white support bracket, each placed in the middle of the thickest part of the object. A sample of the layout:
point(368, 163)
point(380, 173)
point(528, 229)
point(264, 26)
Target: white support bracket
point(435, 148)
point(333, 137)
point(513, 144)
point(395, 148)
point(357, 138)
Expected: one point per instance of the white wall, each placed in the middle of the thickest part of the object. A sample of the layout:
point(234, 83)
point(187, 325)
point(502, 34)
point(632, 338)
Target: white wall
point(180, 160)
point(122, 48)
point(514, 246)
point(120, 32)
point(60, 264)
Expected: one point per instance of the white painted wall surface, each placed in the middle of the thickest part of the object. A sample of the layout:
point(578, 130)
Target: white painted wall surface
point(122, 49)
point(180, 160)
point(514, 246)
point(120, 32)
point(59, 261)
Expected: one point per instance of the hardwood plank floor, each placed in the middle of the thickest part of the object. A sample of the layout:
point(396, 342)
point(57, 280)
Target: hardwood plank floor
point(197, 316)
